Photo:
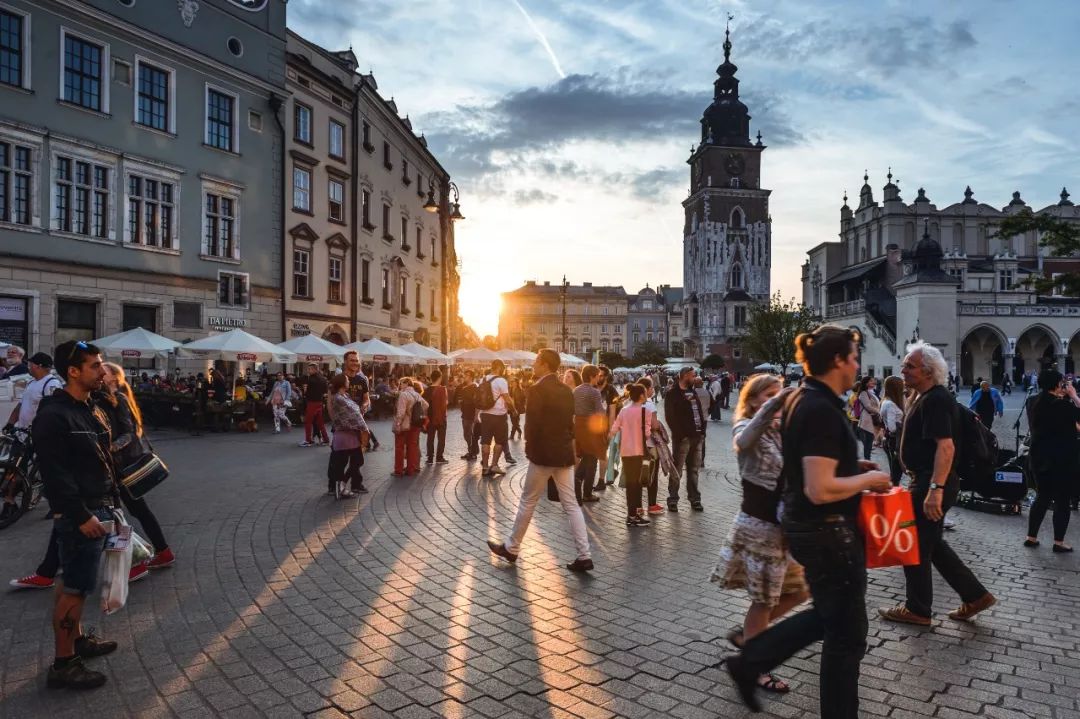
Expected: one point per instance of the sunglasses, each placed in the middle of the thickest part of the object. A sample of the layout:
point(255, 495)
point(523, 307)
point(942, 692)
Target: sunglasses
point(80, 345)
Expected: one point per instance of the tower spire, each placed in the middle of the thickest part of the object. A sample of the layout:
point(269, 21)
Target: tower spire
point(727, 38)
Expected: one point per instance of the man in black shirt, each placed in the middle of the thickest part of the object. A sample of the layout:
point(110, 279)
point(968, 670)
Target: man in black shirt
point(469, 423)
point(823, 482)
point(314, 395)
point(685, 417)
point(928, 453)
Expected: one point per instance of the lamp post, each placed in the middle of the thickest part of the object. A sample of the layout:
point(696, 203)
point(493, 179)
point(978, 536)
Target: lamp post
point(562, 294)
point(449, 212)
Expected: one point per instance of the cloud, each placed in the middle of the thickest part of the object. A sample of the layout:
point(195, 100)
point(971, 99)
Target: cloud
point(533, 197)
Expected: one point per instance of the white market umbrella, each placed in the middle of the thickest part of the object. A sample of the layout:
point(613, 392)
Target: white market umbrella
point(236, 346)
point(767, 367)
point(569, 360)
point(476, 355)
point(136, 344)
point(310, 348)
point(426, 355)
point(516, 358)
point(375, 350)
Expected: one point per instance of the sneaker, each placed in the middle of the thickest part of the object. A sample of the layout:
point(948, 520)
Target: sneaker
point(655, 509)
point(967, 611)
point(590, 498)
point(500, 550)
point(307, 444)
point(34, 581)
point(580, 565)
point(497, 471)
point(900, 613)
point(430, 460)
point(88, 646)
point(468, 457)
point(511, 460)
point(696, 506)
point(139, 571)
point(441, 460)
point(277, 431)
point(637, 521)
point(162, 559)
point(673, 508)
point(74, 675)
point(948, 523)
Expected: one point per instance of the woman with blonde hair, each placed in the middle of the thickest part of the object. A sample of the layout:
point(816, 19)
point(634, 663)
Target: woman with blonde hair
point(406, 434)
point(755, 555)
point(128, 444)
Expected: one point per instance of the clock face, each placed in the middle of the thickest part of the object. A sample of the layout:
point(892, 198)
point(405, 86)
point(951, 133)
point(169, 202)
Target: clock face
point(735, 164)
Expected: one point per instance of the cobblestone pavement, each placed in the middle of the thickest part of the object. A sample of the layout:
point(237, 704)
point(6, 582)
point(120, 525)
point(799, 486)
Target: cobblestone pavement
point(285, 603)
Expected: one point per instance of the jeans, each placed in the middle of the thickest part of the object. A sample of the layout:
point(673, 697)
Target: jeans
point(407, 451)
point(867, 439)
point(534, 488)
point(470, 430)
point(436, 431)
point(584, 475)
point(344, 465)
point(687, 456)
point(631, 467)
point(833, 557)
point(1056, 489)
point(313, 419)
point(935, 552)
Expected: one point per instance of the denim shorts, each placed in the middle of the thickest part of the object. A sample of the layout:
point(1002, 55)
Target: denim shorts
point(80, 556)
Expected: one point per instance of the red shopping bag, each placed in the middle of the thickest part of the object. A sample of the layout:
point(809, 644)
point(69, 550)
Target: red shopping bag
point(888, 523)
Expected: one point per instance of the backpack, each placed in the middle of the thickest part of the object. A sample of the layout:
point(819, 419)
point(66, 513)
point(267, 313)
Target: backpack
point(416, 419)
point(485, 395)
point(976, 447)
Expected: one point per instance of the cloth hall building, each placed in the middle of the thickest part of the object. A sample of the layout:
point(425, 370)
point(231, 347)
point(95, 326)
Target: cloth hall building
point(913, 270)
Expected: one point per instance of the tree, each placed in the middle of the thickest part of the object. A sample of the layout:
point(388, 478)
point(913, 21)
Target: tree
point(612, 359)
point(771, 329)
point(649, 352)
point(1060, 236)
point(676, 349)
point(712, 362)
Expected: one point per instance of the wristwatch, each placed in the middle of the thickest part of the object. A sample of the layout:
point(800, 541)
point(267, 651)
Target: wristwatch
point(935, 485)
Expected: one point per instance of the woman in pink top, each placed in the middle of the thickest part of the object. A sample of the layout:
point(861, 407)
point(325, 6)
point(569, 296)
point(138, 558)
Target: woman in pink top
point(635, 422)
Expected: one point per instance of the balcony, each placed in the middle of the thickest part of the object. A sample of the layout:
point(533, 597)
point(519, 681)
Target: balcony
point(845, 309)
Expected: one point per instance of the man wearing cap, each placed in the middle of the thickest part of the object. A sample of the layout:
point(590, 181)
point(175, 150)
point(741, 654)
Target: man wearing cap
point(685, 417)
point(43, 384)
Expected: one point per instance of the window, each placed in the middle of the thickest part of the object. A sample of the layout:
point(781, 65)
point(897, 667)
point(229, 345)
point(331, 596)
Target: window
point(220, 124)
point(386, 223)
point(637, 337)
point(232, 289)
point(82, 197)
point(386, 288)
point(187, 314)
point(15, 176)
point(84, 73)
point(151, 212)
point(337, 140)
point(365, 281)
point(367, 137)
point(434, 255)
point(386, 156)
point(1005, 280)
point(336, 198)
point(12, 48)
point(419, 243)
point(153, 106)
point(740, 316)
point(419, 303)
point(365, 209)
point(334, 288)
point(254, 121)
point(301, 268)
point(433, 314)
point(301, 123)
point(736, 276)
point(75, 320)
point(403, 295)
point(133, 317)
point(405, 179)
point(301, 189)
point(219, 238)
point(603, 329)
point(405, 233)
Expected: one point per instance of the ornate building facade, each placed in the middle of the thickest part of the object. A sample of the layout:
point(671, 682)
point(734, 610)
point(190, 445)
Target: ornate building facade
point(904, 270)
point(727, 236)
point(532, 316)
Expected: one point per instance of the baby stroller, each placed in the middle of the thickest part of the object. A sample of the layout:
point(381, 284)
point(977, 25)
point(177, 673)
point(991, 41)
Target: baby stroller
point(1003, 491)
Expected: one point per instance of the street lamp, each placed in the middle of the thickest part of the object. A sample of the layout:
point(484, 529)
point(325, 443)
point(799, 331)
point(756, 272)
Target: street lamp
point(446, 223)
point(455, 207)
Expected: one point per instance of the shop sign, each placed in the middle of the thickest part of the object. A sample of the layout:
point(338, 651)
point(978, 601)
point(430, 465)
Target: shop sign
point(131, 353)
point(246, 357)
point(223, 324)
point(12, 309)
point(299, 329)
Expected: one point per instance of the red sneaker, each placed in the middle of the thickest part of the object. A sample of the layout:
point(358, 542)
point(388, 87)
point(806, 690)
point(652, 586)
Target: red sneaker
point(139, 571)
point(655, 509)
point(34, 581)
point(162, 559)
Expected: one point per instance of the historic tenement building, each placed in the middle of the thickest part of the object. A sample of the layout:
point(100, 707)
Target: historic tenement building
point(140, 168)
point(532, 316)
point(727, 237)
point(904, 270)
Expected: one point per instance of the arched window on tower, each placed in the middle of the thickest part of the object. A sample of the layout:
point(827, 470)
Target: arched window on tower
point(736, 276)
point(736, 219)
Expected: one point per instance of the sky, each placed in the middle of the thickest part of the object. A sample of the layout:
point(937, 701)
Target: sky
point(567, 125)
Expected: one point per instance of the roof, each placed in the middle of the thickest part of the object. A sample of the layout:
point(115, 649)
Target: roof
point(672, 295)
point(738, 296)
point(854, 272)
point(582, 291)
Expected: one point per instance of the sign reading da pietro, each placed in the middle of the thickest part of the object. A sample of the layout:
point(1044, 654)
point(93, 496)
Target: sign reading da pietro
point(223, 324)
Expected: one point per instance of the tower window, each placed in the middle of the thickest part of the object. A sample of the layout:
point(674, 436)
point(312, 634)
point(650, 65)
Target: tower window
point(736, 276)
point(736, 219)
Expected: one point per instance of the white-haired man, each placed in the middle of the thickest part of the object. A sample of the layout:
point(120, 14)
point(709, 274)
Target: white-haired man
point(928, 454)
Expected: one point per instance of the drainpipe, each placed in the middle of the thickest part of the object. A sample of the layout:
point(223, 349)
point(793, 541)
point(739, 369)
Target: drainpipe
point(276, 103)
point(354, 193)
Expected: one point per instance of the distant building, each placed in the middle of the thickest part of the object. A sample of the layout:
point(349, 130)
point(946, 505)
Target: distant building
point(673, 304)
point(595, 318)
point(646, 320)
point(727, 233)
point(904, 270)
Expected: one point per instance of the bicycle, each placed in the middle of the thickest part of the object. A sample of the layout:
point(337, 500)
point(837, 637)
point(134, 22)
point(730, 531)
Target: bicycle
point(20, 479)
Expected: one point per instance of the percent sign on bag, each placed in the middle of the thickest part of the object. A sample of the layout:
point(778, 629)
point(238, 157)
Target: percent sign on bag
point(888, 522)
point(898, 534)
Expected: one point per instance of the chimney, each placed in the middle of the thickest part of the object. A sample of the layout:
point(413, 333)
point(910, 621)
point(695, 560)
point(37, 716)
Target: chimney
point(530, 283)
point(586, 284)
point(547, 284)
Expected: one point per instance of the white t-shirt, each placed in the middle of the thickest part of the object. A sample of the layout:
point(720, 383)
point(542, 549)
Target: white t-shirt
point(31, 398)
point(499, 387)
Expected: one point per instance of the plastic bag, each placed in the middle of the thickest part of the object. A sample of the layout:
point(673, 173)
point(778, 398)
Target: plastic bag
point(141, 550)
point(118, 553)
point(888, 524)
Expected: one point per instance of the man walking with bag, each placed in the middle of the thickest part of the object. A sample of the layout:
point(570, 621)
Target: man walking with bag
point(685, 417)
point(549, 447)
point(928, 452)
point(72, 440)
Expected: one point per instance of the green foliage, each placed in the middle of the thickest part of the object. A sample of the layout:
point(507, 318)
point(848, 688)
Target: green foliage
point(712, 362)
point(648, 352)
point(1062, 238)
point(613, 360)
point(772, 328)
point(676, 349)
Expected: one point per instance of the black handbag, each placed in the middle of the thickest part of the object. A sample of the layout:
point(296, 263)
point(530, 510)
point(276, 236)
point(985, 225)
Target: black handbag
point(145, 473)
point(552, 490)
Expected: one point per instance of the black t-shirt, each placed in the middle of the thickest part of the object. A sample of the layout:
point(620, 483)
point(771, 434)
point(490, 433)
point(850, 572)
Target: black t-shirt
point(817, 427)
point(1053, 433)
point(315, 389)
point(931, 417)
point(358, 389)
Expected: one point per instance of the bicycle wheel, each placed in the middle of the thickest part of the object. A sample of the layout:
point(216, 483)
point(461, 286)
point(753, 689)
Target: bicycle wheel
point(23, 496)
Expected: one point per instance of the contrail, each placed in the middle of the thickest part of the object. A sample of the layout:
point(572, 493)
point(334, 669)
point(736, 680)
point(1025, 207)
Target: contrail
point(542, 39)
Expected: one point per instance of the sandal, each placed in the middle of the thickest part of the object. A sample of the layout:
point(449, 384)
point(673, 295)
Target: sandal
point(769, 683)
point(735, 638)
point(1031, 543)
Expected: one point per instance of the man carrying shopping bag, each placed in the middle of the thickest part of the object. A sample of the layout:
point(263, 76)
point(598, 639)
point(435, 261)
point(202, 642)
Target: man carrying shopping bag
point(72, 440)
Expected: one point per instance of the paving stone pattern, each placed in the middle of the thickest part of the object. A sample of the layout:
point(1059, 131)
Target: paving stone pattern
point(286, 603)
